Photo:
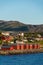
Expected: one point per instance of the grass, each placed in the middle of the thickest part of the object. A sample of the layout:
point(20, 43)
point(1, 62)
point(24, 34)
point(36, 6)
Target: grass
point(37, 42)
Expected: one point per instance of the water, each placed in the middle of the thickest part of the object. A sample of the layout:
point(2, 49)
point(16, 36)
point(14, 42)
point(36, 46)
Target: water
point(24, 59)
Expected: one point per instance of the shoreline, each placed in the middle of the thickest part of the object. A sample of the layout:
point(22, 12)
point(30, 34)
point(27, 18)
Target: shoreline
point(14, 52)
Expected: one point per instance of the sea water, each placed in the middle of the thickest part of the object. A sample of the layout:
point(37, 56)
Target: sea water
point(23, 59)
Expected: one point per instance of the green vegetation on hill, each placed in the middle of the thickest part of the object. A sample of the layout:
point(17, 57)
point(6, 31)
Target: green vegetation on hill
point(19, 27)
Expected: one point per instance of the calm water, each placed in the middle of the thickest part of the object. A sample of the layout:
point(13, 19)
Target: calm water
point(24, 59)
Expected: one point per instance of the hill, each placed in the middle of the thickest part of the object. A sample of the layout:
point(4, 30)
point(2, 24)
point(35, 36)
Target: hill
point(19, 27)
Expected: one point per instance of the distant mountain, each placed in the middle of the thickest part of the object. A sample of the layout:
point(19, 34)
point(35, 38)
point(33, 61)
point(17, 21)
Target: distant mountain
point(19, 27)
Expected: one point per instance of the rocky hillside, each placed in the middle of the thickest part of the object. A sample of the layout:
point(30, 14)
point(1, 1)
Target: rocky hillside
point(18, 26)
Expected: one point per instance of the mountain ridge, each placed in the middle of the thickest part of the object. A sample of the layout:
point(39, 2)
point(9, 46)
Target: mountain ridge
point(19, 27)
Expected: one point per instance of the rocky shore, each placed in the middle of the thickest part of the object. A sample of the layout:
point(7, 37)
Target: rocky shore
point(21, 51)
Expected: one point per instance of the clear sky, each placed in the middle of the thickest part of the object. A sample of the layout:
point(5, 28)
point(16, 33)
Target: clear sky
point(26, 11)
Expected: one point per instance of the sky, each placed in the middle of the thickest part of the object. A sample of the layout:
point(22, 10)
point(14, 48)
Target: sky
point(25, 11)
